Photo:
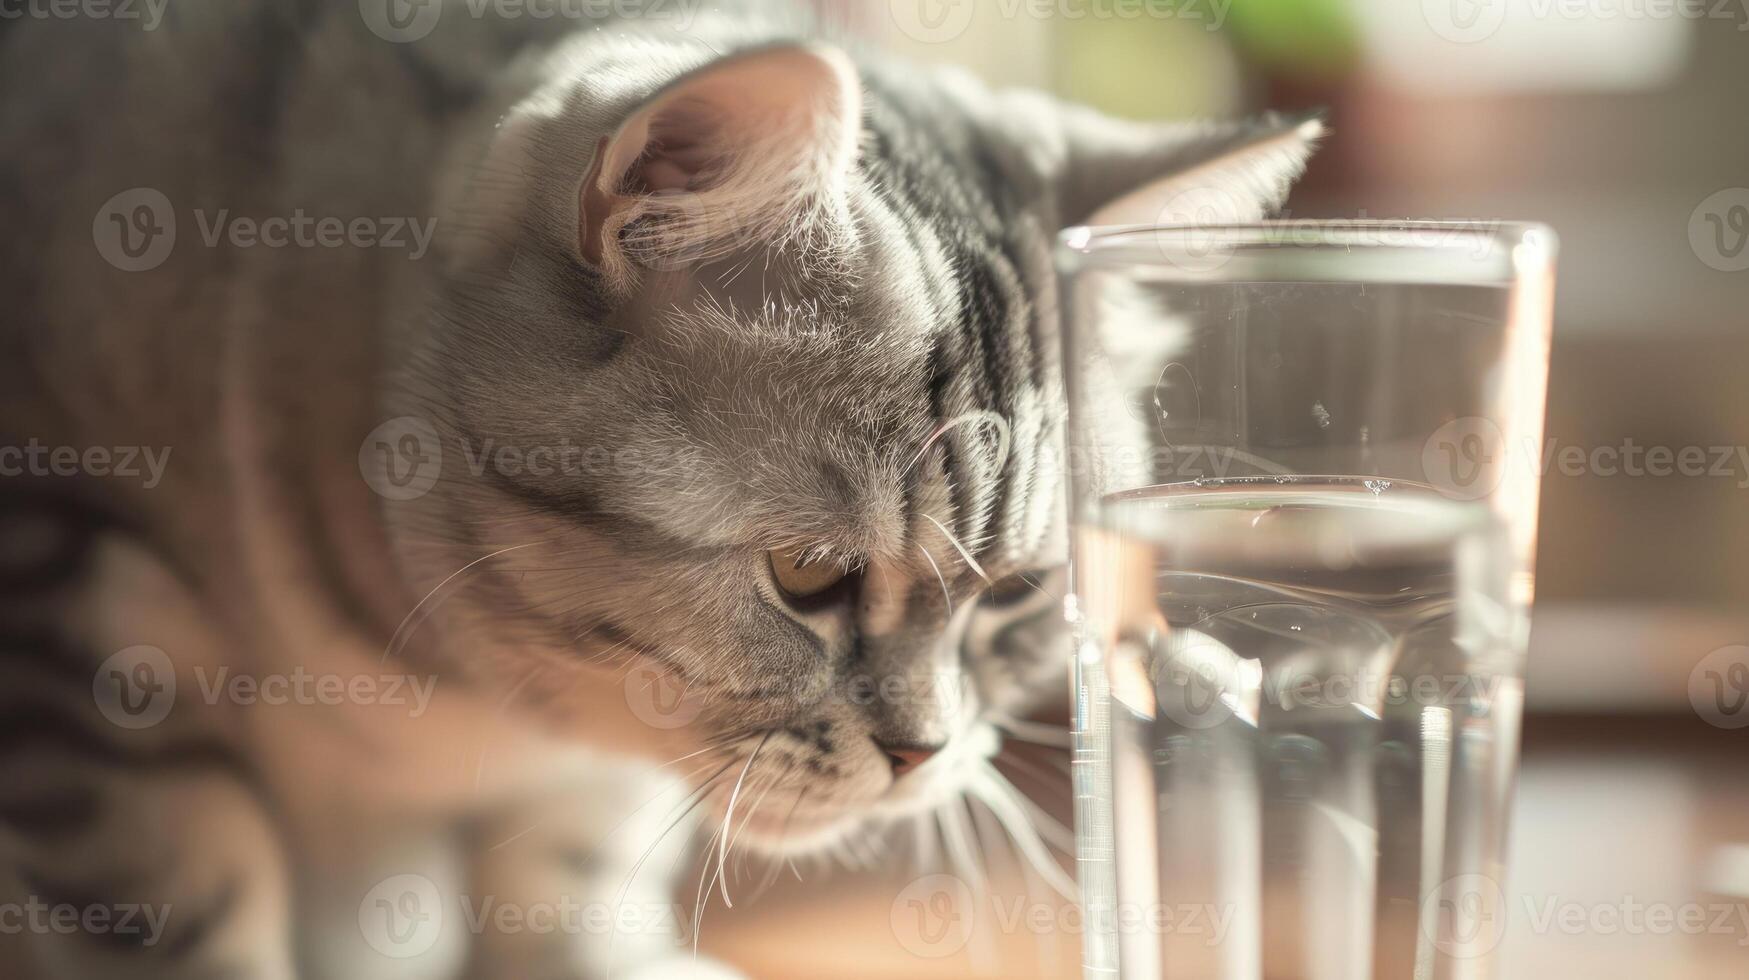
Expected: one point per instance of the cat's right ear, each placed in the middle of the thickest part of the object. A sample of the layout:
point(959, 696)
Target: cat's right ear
point(749, 143)
point(1120, 173)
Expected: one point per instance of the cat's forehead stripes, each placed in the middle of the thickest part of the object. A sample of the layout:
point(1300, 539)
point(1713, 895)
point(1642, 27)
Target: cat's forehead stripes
point(987, 353)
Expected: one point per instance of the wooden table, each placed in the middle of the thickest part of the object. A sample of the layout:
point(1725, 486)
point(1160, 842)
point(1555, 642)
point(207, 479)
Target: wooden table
point(1616, 818)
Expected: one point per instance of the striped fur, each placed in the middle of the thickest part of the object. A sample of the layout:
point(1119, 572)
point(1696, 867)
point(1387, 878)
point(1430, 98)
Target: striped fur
point(856, 356)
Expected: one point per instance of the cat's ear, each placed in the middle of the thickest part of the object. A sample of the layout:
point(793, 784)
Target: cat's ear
point(1116, 173)
point(746, 142)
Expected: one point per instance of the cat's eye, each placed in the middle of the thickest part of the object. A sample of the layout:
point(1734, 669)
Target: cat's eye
point(804, 576)
point(1014, 590)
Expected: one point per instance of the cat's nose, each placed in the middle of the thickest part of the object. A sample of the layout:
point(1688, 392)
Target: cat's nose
point(905, 758)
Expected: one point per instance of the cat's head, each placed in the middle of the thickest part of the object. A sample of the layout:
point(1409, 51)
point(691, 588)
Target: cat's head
point(752, 362)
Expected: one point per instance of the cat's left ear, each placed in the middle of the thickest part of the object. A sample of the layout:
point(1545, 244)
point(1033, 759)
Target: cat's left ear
point(745, 144)
point(1115, 173)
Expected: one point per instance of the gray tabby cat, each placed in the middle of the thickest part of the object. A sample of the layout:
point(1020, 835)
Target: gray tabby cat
point(716, 427)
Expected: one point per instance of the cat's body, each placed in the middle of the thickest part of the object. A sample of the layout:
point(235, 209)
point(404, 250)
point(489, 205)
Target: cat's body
point(742, 362)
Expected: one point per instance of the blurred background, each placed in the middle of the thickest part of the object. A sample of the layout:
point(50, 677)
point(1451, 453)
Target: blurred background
point(1621, 124)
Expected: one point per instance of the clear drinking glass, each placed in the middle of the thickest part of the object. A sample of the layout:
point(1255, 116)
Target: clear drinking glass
point(1304, 467)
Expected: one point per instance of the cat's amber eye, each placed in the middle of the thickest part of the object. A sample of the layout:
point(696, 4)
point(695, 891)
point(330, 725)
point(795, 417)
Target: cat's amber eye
point(803, 576)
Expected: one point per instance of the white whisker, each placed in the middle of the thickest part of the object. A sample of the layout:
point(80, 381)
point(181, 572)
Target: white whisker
point(938, 577)
point(923, 840)
point(397, 640)
point(699, 898)
point(967, 555)
point(993, 789)
point(955, 836)
point(729, 818)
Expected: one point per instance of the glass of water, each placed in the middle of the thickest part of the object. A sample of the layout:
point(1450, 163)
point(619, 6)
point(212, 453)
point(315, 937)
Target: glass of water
point(1304, 464)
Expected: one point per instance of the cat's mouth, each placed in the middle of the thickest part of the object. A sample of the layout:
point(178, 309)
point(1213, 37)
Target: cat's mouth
point(787, 816)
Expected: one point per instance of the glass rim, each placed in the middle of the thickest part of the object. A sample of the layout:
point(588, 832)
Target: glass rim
point(1087, 239)
point(1491, 250)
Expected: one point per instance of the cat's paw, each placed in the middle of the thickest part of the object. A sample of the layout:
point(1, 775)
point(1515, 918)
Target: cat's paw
point(685, 967)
